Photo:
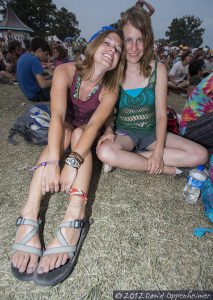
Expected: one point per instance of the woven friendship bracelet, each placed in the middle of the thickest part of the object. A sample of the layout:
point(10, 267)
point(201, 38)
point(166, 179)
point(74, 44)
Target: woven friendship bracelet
point(78, 192)
point(44, 163)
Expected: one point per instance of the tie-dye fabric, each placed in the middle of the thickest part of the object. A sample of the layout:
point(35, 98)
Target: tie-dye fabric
point(199, 103)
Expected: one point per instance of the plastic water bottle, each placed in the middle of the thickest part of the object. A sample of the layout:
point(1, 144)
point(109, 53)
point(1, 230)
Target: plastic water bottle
point(191, 191)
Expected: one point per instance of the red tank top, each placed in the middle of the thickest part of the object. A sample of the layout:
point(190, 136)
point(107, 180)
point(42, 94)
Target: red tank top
point(82, 110)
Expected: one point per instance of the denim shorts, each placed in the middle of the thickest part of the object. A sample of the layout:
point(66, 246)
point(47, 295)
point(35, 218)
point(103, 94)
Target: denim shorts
point(141, 140)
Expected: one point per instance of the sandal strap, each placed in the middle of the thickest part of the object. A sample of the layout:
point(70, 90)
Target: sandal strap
point(21, 245)
point(21, 221)
point(25, 248)
point(65, 247)
point(73, 224)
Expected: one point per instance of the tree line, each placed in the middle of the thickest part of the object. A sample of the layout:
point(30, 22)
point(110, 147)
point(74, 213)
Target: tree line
point(46, 19)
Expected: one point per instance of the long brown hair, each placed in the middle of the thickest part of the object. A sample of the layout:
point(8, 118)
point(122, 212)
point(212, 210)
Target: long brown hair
point(139, 19)
point(85, 68)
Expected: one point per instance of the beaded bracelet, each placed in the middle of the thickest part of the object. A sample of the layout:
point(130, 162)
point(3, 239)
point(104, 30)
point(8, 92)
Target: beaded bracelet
point(45, 163)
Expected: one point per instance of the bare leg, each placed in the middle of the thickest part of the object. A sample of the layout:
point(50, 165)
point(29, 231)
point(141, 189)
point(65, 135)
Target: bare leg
point(75, 211)
point(118, 154)
point(179, 152)
point(26, 262)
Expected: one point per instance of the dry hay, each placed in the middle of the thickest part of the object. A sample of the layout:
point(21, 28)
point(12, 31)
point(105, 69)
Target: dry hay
point(142, 237)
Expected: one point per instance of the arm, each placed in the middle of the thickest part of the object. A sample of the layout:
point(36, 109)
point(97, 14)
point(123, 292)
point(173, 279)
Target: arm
point(156, 160)
point(61, 81)
point(172, 74)
point(109, 131)
point(150, 8)
point(88, 136)
point(43, 83)
point(37, 71)
point(99, 117)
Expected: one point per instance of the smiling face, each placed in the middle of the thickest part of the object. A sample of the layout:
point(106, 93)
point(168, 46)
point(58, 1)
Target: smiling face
point(109, 51)
point(134, 45)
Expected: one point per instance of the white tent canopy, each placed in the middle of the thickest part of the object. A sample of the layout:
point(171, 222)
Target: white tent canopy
point(54, 38)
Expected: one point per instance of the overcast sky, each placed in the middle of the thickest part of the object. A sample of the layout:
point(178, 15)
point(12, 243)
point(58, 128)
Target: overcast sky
point(93, 14)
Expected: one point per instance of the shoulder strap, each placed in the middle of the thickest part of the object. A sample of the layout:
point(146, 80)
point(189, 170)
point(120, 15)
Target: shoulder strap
point(153, 76)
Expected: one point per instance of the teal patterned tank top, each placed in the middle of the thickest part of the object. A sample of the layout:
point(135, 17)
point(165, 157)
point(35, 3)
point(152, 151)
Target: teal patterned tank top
point(137, 114)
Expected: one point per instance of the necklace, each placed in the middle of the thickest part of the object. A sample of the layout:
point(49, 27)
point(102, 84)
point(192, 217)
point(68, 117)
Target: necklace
point(77, 88)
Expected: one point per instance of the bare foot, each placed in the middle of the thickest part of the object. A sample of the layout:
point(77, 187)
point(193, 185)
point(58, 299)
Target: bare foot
point(71, 235)
point(26, 262)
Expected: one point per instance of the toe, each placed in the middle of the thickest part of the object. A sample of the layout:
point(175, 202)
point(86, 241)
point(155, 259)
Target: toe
point(24, 263)
point(64, 259)
point(14, 259)
point(43, 265)
point(52, 262)
point(32, 264)
point(59, 261)
point(20, 258)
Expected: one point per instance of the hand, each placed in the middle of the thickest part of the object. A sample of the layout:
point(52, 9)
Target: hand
point(105, 137)
point(140, 2)
point(50, 179)
point(68, 176)
point(155, 163)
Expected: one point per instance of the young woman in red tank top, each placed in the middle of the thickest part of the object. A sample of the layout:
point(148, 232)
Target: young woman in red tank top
point(93, 85)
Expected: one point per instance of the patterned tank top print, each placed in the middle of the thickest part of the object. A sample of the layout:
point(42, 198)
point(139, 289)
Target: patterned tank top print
point(77, 88)
point(81, 111)
point(137, 114)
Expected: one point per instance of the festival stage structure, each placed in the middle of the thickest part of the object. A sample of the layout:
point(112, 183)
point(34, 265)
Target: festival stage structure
point(12, 28)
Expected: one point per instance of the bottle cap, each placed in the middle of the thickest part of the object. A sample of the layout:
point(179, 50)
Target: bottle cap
point(201, 167)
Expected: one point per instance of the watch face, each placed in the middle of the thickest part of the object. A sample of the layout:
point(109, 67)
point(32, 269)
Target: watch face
point(72, 161)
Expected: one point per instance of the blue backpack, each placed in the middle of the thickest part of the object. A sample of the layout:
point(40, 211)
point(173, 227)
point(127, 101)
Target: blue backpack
point(32, 124)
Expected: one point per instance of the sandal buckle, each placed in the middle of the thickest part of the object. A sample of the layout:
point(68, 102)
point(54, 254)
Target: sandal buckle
point(77, 224)
point(19, 221)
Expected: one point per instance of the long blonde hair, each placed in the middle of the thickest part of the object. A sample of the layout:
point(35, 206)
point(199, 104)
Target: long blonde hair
point(139, 19)
point(85, 68)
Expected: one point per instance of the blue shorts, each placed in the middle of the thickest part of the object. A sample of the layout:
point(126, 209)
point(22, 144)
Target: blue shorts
point(141, 140)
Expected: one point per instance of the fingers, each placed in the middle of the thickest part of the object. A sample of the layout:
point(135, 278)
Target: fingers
point(102, 139)
point(154, 167)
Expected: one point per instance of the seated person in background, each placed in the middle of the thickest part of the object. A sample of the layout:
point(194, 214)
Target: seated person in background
point(197, 116)
point(196, 70)
point(30, 72)
point(15, 50)
point(178, 75)
point(208, 65)
point(60, 56)
point(26, 44)
point(150, 9)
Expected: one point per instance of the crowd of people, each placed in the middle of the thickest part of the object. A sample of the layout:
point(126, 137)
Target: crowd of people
point(121, 69)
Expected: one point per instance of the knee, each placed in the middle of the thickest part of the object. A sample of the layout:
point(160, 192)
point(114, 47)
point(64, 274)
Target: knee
point(200, 156)
point(77, 133)
point(106, 153)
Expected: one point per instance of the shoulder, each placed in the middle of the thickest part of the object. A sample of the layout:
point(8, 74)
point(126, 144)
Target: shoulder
point(161, 68)
point(158, 66)
point(65, 72)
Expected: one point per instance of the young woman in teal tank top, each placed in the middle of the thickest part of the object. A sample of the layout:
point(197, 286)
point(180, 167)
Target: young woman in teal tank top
point(138, 138)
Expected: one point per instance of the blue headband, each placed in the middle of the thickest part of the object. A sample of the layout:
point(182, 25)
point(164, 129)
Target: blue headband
point(104, 28)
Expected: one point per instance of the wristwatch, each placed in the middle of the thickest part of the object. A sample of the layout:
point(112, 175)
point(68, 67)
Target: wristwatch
point(72, 162)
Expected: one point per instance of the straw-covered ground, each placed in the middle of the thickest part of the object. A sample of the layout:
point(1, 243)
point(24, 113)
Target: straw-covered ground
point(142, 237)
